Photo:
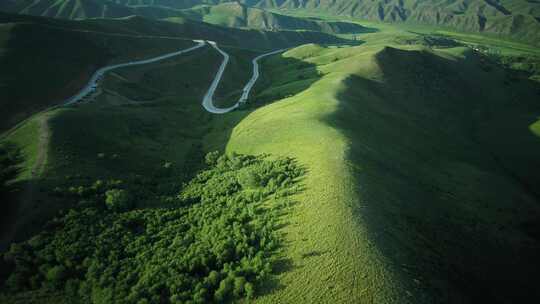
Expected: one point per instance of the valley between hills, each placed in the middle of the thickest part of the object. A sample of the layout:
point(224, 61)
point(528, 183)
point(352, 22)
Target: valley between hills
point(270, 152)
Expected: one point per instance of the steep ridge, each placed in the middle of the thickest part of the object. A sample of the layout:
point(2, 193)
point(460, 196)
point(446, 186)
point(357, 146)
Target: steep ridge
point(234, 14)
point(426, 203)
point(67, 9)
point(512, 18)
point(519, 19)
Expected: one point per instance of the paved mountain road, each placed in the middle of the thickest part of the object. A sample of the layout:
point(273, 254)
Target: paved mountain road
point(249, 85)
point(208, 104)
point(207, 101)
point(96, 77)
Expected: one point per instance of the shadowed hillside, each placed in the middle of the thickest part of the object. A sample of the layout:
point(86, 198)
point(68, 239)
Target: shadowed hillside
point(231, 14)
point(42, 65)
point(448, 187)
point(70, 51)
point(67, 9)
point(442, 206)
point(519, 19)
point(235, 14)
point(396, 169)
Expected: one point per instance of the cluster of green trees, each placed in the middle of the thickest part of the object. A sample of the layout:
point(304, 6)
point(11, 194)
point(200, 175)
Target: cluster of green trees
point(214, 241)
point(9, 161)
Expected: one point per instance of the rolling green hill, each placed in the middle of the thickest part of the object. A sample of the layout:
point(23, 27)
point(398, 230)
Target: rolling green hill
point(519, 19)
point(187, 28)
point(417, 192)
point(69, 51)
point(33, 80)
point(67, 9)
point(398, 170)
point(234, 14)
point(231, 14)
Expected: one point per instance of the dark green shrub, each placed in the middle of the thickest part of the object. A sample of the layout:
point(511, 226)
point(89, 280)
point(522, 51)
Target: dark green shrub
point(215, 241)
point(9, 161)
point(211, 158)
point(117, 200)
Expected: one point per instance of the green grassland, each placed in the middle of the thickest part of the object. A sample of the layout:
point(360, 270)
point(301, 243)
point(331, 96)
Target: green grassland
point(230, 14)
point(505, 43)
point(234, 14)
point(170, 126)
point(74, 50)
point(69, 9)
point(32, 81)
point(509, 18)
point(418, 185)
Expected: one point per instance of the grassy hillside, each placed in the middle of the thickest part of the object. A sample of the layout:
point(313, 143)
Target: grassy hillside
point(227, 14)
point(147, 115)
point(235, 14)
point(155, 108)
point(519, 19)
point(67, 9)
point(415, 194)
point(245, 38)
point(41, 65)
point(74, 50)
point(416, 149)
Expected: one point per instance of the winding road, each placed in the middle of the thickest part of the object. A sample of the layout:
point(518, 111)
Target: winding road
point(92, 84)
point(207, 101)
point(255, 76)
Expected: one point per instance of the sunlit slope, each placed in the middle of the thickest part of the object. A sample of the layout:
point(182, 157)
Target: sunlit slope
point(414, 194)
point(519, 19)
point(332, 258)
point(234, 14)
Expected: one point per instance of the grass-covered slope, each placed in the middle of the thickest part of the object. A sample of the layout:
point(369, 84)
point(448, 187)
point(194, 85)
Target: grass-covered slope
point(43, 61)
point(146, 116)
point(154, 146)
point(414, 190)
point(418, 189)
point(42, 64)
point(519, 19)
point(67, 9)
point(245, 38)
point(234, 14)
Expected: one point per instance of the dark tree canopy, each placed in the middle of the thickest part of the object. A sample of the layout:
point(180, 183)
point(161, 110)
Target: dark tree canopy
point(9, 161)
point(214, 241)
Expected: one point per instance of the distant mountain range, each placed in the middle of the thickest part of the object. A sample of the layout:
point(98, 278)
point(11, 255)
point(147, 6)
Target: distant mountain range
point(516, 18)
point(234, 14)
point(519, 19)
point(231, 14)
